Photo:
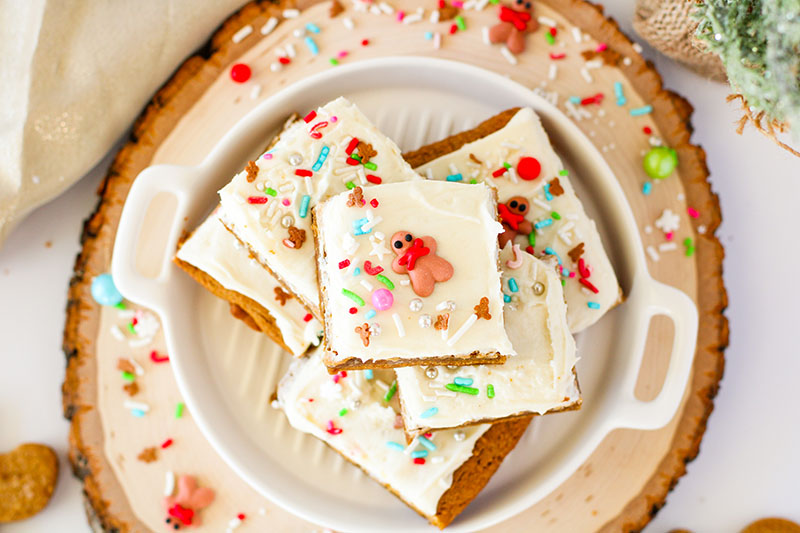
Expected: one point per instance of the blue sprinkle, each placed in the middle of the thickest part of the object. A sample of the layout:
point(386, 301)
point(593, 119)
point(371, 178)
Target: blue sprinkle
point(104, 291)
point(646, 188)
point(426, 441)
point(547, 195)
point(543, 223)
point(621, 100)
point(370, 314)
point(550, 251)
point(564, 272)
point(506, 298)
point(428, 35)
point(356, 271)
point(368, 373)
point(304, 206)
point(313, 28)
point(138, 413)
point(455, 177)
point(512, 285)
point(419, 453)
point(357, 229)
point(312, 46)
point(323, 155)
point(593, 305)
point(427, 414)
point(395, 445)
point(463, 381)
point(641, 111)
point(574, 100)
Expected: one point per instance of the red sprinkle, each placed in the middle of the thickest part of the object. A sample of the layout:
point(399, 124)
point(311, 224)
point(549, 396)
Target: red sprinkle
point(311, 116)
point(344, 264)
point(647, 130)
point(336, 378)
point(256, 199)
point(499, 172)
point(453, 28)
point(529, 249)
point(588, 284)
point(596, 99)
point(344, 373)
point(365, 42)
point(241, 516)
point(308, 317)
point(285, 61)
point(372, 270)
point(166, 444)
point(333, 430)
point(351, 145)
point(154, 357)
point(240, 73)
point(529, 168)
point(350, 161)
point(553, 31)
point(583, 268)
point(302, 172)
point(692, 212)
point(374, 202)
point(442, 4)
point(557, 56)
point(427, 435)
point(372, 178)
point(353, 310)
point(419, 460)
point(601, 47)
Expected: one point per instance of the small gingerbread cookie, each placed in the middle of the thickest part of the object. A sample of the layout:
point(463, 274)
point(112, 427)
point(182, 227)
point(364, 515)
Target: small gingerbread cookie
point(28, 476)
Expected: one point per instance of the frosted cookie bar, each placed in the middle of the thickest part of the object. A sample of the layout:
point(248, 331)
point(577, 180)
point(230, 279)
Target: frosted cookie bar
point(538, 206)
point(267, 205)
point(408, 275)
point(356, 414)
point(539, 379)
point(216, 259)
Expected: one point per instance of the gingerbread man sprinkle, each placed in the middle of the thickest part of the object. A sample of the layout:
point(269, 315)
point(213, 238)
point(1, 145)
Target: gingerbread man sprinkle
point(364, 333)
point(366, 151)
point(576, 252)
point(555, 187)
point(356, 198)
point(296, 238)
point(418, 259)
point(281, 295)
point(514, 23)
point(252, 171)
point(482, 309)
point(441, 322)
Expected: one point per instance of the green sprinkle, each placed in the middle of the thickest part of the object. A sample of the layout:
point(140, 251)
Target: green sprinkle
point(532, 238)
point(563, 172)
point(127, 376)
point(549, 38)
point(563, 283)
point(131, 328)
point(490, 391)
point(494, 2)
point(460, 23)
point(353, 296)
point(120, 305)
point(473, 181)
point(370, 165)
point(386, 281)
point(687, 242)
point(334, 61)
point(506, 164)
point(343, 411)
point(555, 215)
point(356, 157)
point(350, 185)
point(390, 393)
point(179, 410)
point(461, 388)
point(272, 192)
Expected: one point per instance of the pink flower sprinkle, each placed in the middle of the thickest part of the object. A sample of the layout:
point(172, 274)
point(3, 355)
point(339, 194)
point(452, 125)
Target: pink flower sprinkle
point(342, 54)
point(601, 47)
point(692, 212)
point(668, 235)
point(286, 202)
point(458, 3)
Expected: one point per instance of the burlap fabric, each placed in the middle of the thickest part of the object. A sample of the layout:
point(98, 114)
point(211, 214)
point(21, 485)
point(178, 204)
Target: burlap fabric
point(668, 26)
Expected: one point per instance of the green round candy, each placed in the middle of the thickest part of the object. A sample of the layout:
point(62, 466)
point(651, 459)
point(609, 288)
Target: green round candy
point(660, 162)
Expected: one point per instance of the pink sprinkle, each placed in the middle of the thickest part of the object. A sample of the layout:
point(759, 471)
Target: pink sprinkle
point(341, 55)
point(458, 3)
point(557, 56)
point(333, 430)
point(334, 118)
point(400, 16)
point(572, 274)
point(286, 201)
point(668, 235)
point(267, 156)
point(601, 47)
point(336, 378)
point(692, 212)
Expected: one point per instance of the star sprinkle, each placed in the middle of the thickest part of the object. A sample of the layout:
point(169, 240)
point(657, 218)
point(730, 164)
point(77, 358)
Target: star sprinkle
point(378, 247)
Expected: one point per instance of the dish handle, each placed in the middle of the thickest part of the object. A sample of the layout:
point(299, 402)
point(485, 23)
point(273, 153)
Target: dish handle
point(655, 299)
point(134, 285)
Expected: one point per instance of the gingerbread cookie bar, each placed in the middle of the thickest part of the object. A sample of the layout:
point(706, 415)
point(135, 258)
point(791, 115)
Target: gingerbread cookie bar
point(267, 205)
point(219, 262)
point(540, 379)
point(408, 275)
point(356, 414)
point(538, 205)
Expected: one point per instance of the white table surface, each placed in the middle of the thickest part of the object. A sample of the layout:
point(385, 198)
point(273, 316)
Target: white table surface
point(749, 464)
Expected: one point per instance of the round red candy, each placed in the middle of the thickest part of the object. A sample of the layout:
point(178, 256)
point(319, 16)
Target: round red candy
point(529, 168)
point(240, 73)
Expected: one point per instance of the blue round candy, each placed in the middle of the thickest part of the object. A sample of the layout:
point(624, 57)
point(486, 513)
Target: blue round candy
point(104, 291)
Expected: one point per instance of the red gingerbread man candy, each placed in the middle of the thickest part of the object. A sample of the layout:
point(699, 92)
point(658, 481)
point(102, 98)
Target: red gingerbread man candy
point(418, 259)
point(512, 216)
point(514, 23)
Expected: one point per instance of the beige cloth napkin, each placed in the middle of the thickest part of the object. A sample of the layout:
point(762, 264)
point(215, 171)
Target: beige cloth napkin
point(73, 76)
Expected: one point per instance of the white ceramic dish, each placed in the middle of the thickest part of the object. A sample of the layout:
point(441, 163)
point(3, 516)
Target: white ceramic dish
point(227, 373)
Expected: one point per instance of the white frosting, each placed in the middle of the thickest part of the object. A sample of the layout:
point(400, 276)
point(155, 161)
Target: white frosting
point(539, 379)
point(213, 249)
point(462, 220)
point(259, 225)
point(368, 426)
point(524, 136)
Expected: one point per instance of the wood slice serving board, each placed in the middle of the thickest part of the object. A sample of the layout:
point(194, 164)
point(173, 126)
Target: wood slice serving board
point(627, 478)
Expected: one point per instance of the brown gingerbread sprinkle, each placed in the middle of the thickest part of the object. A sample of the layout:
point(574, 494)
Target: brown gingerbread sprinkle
point(356, 197)
point(336, 8)
point(475, 159)
point(131, 388)
point(555, 187)
point(148, 455)
point(125, 365)
point(363, 332)
point(441, 322)
point(448, 12)
point(482, 309)
point(609, 56)
point(576, 252)
point(366, 151)
point(252, 171)
point(297, 236)
point(281, 295)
